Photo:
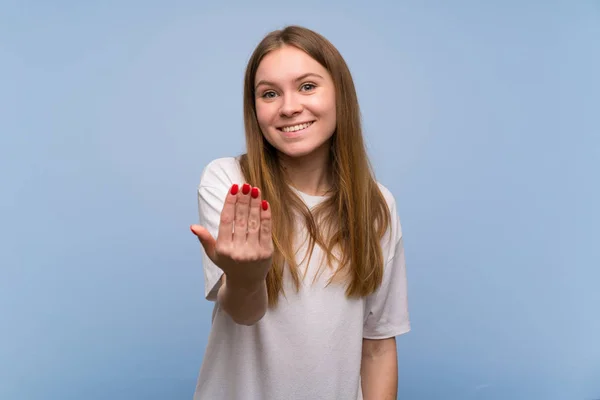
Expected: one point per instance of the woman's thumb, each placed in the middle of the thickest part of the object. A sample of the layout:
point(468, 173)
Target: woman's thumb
point(207, 240)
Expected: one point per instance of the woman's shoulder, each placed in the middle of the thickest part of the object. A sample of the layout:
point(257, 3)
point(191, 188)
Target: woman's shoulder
point(223, 170)
point(389, 197)
point(395, 229)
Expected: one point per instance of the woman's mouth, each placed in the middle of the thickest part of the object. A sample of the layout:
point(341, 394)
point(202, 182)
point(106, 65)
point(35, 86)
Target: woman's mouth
point(296, 128)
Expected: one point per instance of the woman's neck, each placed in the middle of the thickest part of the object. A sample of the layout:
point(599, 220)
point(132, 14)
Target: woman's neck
point(310, 174)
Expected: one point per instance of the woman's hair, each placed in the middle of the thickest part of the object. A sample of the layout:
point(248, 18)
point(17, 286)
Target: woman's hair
point(350, 223)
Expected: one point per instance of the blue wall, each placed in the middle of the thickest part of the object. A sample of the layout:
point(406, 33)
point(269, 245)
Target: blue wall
point(483, 119)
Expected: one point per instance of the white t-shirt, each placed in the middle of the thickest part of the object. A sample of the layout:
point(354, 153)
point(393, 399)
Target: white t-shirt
point(309, 346)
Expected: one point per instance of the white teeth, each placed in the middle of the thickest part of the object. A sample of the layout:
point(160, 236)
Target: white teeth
point(296, 127)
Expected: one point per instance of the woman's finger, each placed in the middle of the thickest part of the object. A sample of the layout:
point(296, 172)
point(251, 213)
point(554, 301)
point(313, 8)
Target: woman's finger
point(254, 219)
point(225, 234)
point(266, 240)
point(208, 242)
point(240, 224)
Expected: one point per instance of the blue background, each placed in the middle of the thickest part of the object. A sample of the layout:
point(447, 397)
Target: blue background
point(483, 118)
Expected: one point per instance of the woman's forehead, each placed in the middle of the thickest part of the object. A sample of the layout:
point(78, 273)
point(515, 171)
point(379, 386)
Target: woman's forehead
point(287, 64)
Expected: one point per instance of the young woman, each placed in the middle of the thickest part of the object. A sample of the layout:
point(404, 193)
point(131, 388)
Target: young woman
point(303, 252)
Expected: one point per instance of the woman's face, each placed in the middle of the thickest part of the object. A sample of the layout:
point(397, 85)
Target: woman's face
point(295, 102)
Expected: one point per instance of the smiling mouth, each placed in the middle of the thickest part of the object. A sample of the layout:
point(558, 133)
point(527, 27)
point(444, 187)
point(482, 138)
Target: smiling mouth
point(296, 128)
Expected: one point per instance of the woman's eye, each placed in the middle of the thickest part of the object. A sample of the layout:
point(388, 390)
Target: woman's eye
point(308, 86)
point(268, 95)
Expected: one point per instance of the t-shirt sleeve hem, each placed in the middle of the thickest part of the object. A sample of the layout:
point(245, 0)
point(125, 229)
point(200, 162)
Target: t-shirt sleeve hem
point(213, 284)
point(387, 333)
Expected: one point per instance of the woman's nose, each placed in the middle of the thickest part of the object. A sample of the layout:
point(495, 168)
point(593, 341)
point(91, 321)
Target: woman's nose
point(291, 106)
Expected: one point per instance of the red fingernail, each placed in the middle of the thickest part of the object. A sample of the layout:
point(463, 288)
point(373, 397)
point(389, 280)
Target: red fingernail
point(234, 189)
point(265, 205)
point(245, 188)
point(254, 193)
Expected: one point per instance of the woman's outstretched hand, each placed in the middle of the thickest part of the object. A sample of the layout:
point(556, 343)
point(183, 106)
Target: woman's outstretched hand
point(243, 248)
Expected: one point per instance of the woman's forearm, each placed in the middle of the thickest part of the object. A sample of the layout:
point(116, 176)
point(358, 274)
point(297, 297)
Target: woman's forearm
point(379, 369)
point(245, 304)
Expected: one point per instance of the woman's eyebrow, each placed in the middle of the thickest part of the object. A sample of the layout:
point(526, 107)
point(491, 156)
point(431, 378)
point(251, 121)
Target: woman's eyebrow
point(301, 77)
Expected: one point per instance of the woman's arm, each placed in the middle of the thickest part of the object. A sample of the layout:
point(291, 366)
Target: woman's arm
point(245, 304)
point(243, 250)
point(379, 369)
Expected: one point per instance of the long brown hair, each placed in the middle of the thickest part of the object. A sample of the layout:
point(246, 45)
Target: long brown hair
point(354, 218)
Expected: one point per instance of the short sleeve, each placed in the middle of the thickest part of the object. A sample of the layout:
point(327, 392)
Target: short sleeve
point(214, 184)
point(386, 310)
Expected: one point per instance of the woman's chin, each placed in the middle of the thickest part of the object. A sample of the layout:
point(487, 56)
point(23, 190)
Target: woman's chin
point(303, 150)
